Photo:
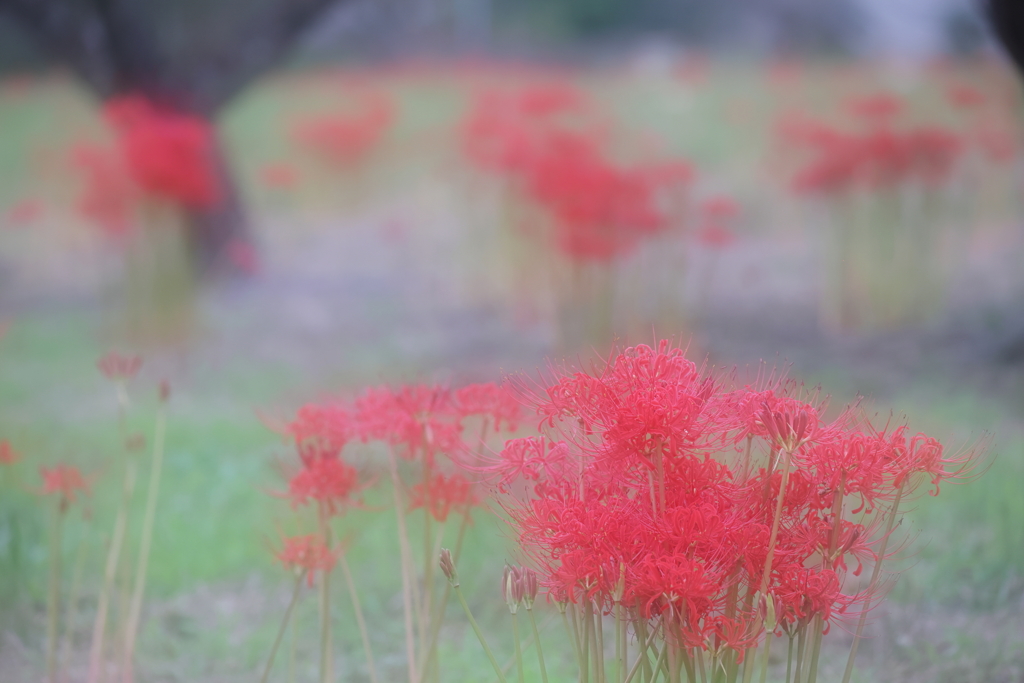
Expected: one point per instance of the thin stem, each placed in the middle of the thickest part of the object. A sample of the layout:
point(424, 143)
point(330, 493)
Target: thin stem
point(71, 610)
point(519, 648)
point(775, 523)
point(403, 544)
point(816, 635)
point(540, 650)
point(620, 667)
point(291, 651)
point(767, 652)
point(145, 543)
point(801, 636)
point(588, 629)
point(479, 633)
point(359, 616)
point(110, 571)
point(789, 659)
point(284, 624)
point(571, 632)
point(53, 601)
point(577, 641)
point(326, 652)
point(659, 663)
point(699, 656)
point(871, 586)
point(599, 646)
point(435, 626)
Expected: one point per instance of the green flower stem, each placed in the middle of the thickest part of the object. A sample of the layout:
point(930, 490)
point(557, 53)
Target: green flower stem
point(405, 553)
point(874, 583)
point(110, 571)
point(479, 633)
point(284, 624)
point(572, 637)
point(156, 466)
point(53, 599)
point(576, 641)
point(767, 651)
point(801, 637)
point(588, 630)
point(789, 660)
point(359, 617)
point(326, 653)
point(519, 648)
point(438, 617)
point(599, 647)
point(71, 609)
point(540, 650)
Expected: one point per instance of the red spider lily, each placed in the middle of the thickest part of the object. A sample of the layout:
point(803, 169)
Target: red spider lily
point(325, 479)
point(8, 456)
point(877, 108)
point(422, 419)
point(879, 158)
point(442, 495)
point(640, 499)
point(168, 154)
point(347, 139)
point(491, 401)
point(306, 554)
point(108, 197)
point(716, 236)
point(719, 208)
point(965, 96)
point(63, 480)
point(330, 426)
point(24, 212)
point(118, 368)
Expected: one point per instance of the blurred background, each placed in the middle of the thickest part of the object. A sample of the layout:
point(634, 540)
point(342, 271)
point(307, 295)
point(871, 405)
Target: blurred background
point(277, 200)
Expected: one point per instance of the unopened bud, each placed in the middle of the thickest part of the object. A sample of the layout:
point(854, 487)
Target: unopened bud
point(511, 588)
point(529, 581)
point(766, 605)
point(448, 567)
point(165, 391)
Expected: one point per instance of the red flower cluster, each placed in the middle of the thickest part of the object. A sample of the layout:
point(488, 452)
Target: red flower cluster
point(347, 139)
point(108, 196)
point(880, 157)
point(63, 480)
point(167, 154)
point(655, 487)
point(421, 421)
point(118, 368)
point(543, 137)
point(8, 456)
point(306, 554)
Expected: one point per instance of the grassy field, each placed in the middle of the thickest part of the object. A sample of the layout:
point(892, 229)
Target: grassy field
point(335, 311)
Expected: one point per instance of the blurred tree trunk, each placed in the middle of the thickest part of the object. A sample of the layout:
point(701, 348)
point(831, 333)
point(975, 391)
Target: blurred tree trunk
point(119, 47)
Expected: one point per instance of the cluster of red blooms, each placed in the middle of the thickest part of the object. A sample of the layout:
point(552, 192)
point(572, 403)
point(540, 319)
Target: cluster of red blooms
point(544, 138)
point(64, 481)
point(420, 422)
point(655, 488)
point(347, 139)
point(159, 153)
point(880, 157)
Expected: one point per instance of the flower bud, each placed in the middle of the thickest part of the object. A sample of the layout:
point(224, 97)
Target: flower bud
point(448, 567)
point(512, 588)
point(528, 579)
point(766, 606)
point(165, 391)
